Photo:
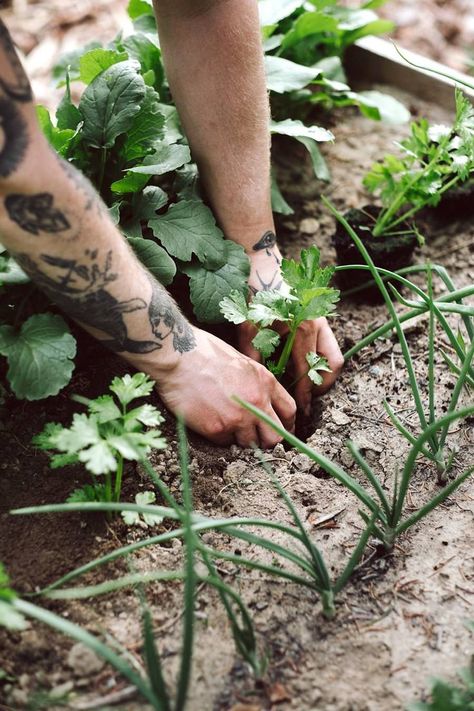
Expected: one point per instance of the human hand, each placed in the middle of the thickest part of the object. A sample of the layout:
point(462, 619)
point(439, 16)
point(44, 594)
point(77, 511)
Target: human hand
point(200, 387)
point(315, 335)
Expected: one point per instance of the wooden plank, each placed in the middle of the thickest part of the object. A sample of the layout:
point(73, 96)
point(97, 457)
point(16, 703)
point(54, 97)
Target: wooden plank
point(377, 61)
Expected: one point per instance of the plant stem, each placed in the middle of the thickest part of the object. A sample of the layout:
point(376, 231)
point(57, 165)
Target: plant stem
point(327, 598)
point(118, 479)
point(286, 352)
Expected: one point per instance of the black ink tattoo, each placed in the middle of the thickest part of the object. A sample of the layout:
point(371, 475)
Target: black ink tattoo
point(19, 89)
point(80, 289)
point(36, 213)
point(13, 137)
point(162, 309)
point(267, 242)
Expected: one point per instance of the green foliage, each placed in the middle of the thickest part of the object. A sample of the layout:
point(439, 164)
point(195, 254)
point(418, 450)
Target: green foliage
point(106, 436)
point(134, 518)
point(9, 617)
point(40, 356)
point(448, 697)
point(433, 159)
point(307, 296)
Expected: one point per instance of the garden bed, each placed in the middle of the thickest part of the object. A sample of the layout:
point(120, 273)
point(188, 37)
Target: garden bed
point(399, 623)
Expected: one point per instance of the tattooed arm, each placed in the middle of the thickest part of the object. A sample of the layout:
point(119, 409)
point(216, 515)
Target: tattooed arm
point(218, 83)
point(54, 223)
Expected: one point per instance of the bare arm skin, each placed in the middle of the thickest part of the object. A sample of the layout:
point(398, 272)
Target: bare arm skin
point(214, 61)
point(54, 223)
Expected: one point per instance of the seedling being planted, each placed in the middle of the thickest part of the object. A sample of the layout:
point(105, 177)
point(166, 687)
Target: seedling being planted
point(307, 296)
point(107, 435)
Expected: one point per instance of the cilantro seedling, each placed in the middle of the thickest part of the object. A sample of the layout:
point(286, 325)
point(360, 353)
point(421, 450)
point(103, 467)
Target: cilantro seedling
point(434, 160)
point(107, 435)
point(9, 617)
point(307, 296)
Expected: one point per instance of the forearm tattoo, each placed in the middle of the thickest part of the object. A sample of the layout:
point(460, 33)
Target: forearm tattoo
point(18, 88)
point(36, 213)
point(267, 243)
point(13, 129)
point(80, 288)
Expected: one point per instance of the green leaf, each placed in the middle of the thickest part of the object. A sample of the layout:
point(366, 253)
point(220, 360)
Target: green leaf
point(109, 104)
point(146, 128)
point(69, 63)
point(284, 75)
point(131, 183)
point(146, 414)
point(234, 307)
point(320, 166)
point(208, 288)
point(11, 272)
point(132, 518)
point(279, 203)
point(316, 364)
point(272, 11)
point(154, 258)
point(83, 432)
point(307, 24)
point(188, 228)
point(387, 108)
point(59, 139)
point(137, 8)
point(104, 408)
point(297, 129)
point(141, 48)
point(98, 458)
point(97, 60)
point(68, 115)
point(269, 306)
point(129, 387)
point(86, 493)
point(39, 356)
point(266, 342)
point(164, 160)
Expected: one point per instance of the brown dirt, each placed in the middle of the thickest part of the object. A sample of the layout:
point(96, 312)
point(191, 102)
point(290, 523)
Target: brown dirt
point(400, 622)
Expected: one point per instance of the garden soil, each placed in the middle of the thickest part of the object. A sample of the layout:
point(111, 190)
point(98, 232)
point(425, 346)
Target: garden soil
point(399, 622)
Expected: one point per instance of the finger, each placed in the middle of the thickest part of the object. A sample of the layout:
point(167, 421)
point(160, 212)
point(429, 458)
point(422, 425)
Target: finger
point(247, 436)
point(268, 438)
point(305, 342)
point(246, 333)
point(328, 347)
point(284, 406)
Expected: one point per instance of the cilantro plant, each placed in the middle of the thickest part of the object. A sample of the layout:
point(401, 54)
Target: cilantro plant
point(450, 697)
point(106, 436)
point(434, 159)
point(307, 296)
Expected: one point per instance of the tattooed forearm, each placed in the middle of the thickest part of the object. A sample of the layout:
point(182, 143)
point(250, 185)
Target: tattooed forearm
point(36, 213)
point(266, 242)
point(13, 137)
point(18, 87)
point(80, 288)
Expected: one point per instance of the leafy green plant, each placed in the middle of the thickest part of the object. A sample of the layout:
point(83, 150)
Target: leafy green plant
point(307, 296)
point(434, 159)
point(107, 436)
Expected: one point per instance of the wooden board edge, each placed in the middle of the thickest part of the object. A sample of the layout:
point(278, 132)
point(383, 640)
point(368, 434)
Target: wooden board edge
point(377, 60)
